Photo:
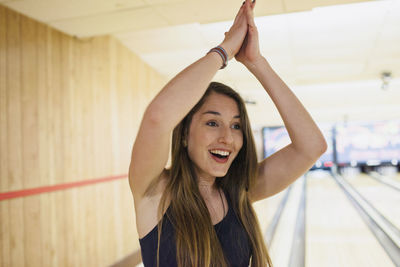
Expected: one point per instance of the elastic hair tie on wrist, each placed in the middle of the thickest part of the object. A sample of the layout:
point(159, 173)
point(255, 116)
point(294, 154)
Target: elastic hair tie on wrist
point(222, 53)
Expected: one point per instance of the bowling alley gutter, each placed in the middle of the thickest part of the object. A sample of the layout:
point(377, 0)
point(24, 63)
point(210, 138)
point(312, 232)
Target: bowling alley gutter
point(297, 254)
point(385, 180)
point(58, 187)
point(271, 230)
point(385, 232)
point(297, 251)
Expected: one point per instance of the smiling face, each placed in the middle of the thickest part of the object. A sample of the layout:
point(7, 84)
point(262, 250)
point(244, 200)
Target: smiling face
point(215, 136)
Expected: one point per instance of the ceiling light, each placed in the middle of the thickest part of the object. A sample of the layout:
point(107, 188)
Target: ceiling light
point(386, 77)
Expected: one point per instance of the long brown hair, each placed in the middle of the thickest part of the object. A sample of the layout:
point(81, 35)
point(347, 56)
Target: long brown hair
point(197, 244)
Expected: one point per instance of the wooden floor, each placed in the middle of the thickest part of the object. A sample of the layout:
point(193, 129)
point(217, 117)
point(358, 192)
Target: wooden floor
point(282, 243)
point(397, 178)
point(266, 209)
point(335, 233)
point(382, 197)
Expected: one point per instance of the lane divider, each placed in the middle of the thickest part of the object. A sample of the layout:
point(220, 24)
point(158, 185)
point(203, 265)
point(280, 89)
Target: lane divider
point(298, 250)
point(273, 225)
point(52, 188)
point(385, 232)
point(385, 180)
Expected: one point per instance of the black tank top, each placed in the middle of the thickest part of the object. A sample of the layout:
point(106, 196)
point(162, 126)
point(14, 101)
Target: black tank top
point(231, 234)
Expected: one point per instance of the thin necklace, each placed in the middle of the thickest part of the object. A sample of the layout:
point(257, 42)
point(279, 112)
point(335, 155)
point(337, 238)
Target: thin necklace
point(223, 205)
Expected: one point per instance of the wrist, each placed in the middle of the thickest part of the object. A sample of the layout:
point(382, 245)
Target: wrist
point(255, 64)
point(222, 53)
point(216, 58)
point(227, 49)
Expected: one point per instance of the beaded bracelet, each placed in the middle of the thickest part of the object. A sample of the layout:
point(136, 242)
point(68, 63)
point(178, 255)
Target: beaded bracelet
point(222, 53)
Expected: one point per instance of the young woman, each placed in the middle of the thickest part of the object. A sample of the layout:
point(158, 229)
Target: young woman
point(199, 212)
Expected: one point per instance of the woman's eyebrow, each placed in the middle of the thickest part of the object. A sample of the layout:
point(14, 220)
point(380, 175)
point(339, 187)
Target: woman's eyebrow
point(217, 113)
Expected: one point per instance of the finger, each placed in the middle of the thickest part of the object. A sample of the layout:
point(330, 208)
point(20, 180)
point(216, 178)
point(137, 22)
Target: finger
point(249, 6)
point(238, 15)
point(253, 33)
point(251, 23)
point(241, 18)
point(250, 17)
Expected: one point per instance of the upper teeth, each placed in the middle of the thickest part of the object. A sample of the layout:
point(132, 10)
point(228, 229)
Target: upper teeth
point(220, 152)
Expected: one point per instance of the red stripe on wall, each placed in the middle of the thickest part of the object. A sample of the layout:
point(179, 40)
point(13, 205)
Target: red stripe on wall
point(52, 188)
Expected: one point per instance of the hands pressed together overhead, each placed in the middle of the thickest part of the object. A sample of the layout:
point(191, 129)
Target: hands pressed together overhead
point(241, 41)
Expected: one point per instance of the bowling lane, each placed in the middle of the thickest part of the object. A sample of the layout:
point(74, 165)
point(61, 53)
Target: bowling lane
point(280, 248)
point(335, 233)
point(396, 177)
point(384, 198)
point(389, 179)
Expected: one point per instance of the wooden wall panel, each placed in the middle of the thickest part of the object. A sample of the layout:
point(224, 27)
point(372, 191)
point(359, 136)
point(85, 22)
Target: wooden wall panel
point(67, 79)
point(13, 71)
point(81, 53)
point(47, 245)
point(114, 105)
point(29, 103)
point(69, 111)
point(4, 227)
point(29, 109)
point(14, 153)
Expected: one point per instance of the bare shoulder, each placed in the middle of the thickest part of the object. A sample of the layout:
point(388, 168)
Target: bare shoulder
point(146, 208)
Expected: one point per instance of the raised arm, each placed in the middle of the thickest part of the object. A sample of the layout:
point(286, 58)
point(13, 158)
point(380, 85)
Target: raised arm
point(307, 142)
point(169, 107)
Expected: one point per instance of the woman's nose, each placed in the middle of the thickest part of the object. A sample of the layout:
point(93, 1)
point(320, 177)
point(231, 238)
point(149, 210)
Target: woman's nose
point(226, 135)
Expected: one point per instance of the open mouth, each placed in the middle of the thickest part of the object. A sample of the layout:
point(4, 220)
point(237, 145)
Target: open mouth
point(219, 155)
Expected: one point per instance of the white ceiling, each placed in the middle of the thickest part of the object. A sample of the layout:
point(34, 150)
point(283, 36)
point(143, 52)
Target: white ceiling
point(331, 56)
point(96, 17)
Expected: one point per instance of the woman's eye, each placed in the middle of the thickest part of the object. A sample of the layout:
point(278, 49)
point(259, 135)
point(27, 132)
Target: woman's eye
point(236, 126)
point(212, 123)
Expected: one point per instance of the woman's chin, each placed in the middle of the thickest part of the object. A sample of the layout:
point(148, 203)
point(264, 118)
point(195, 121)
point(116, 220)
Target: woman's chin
point(220, 173)
point(212, 172)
